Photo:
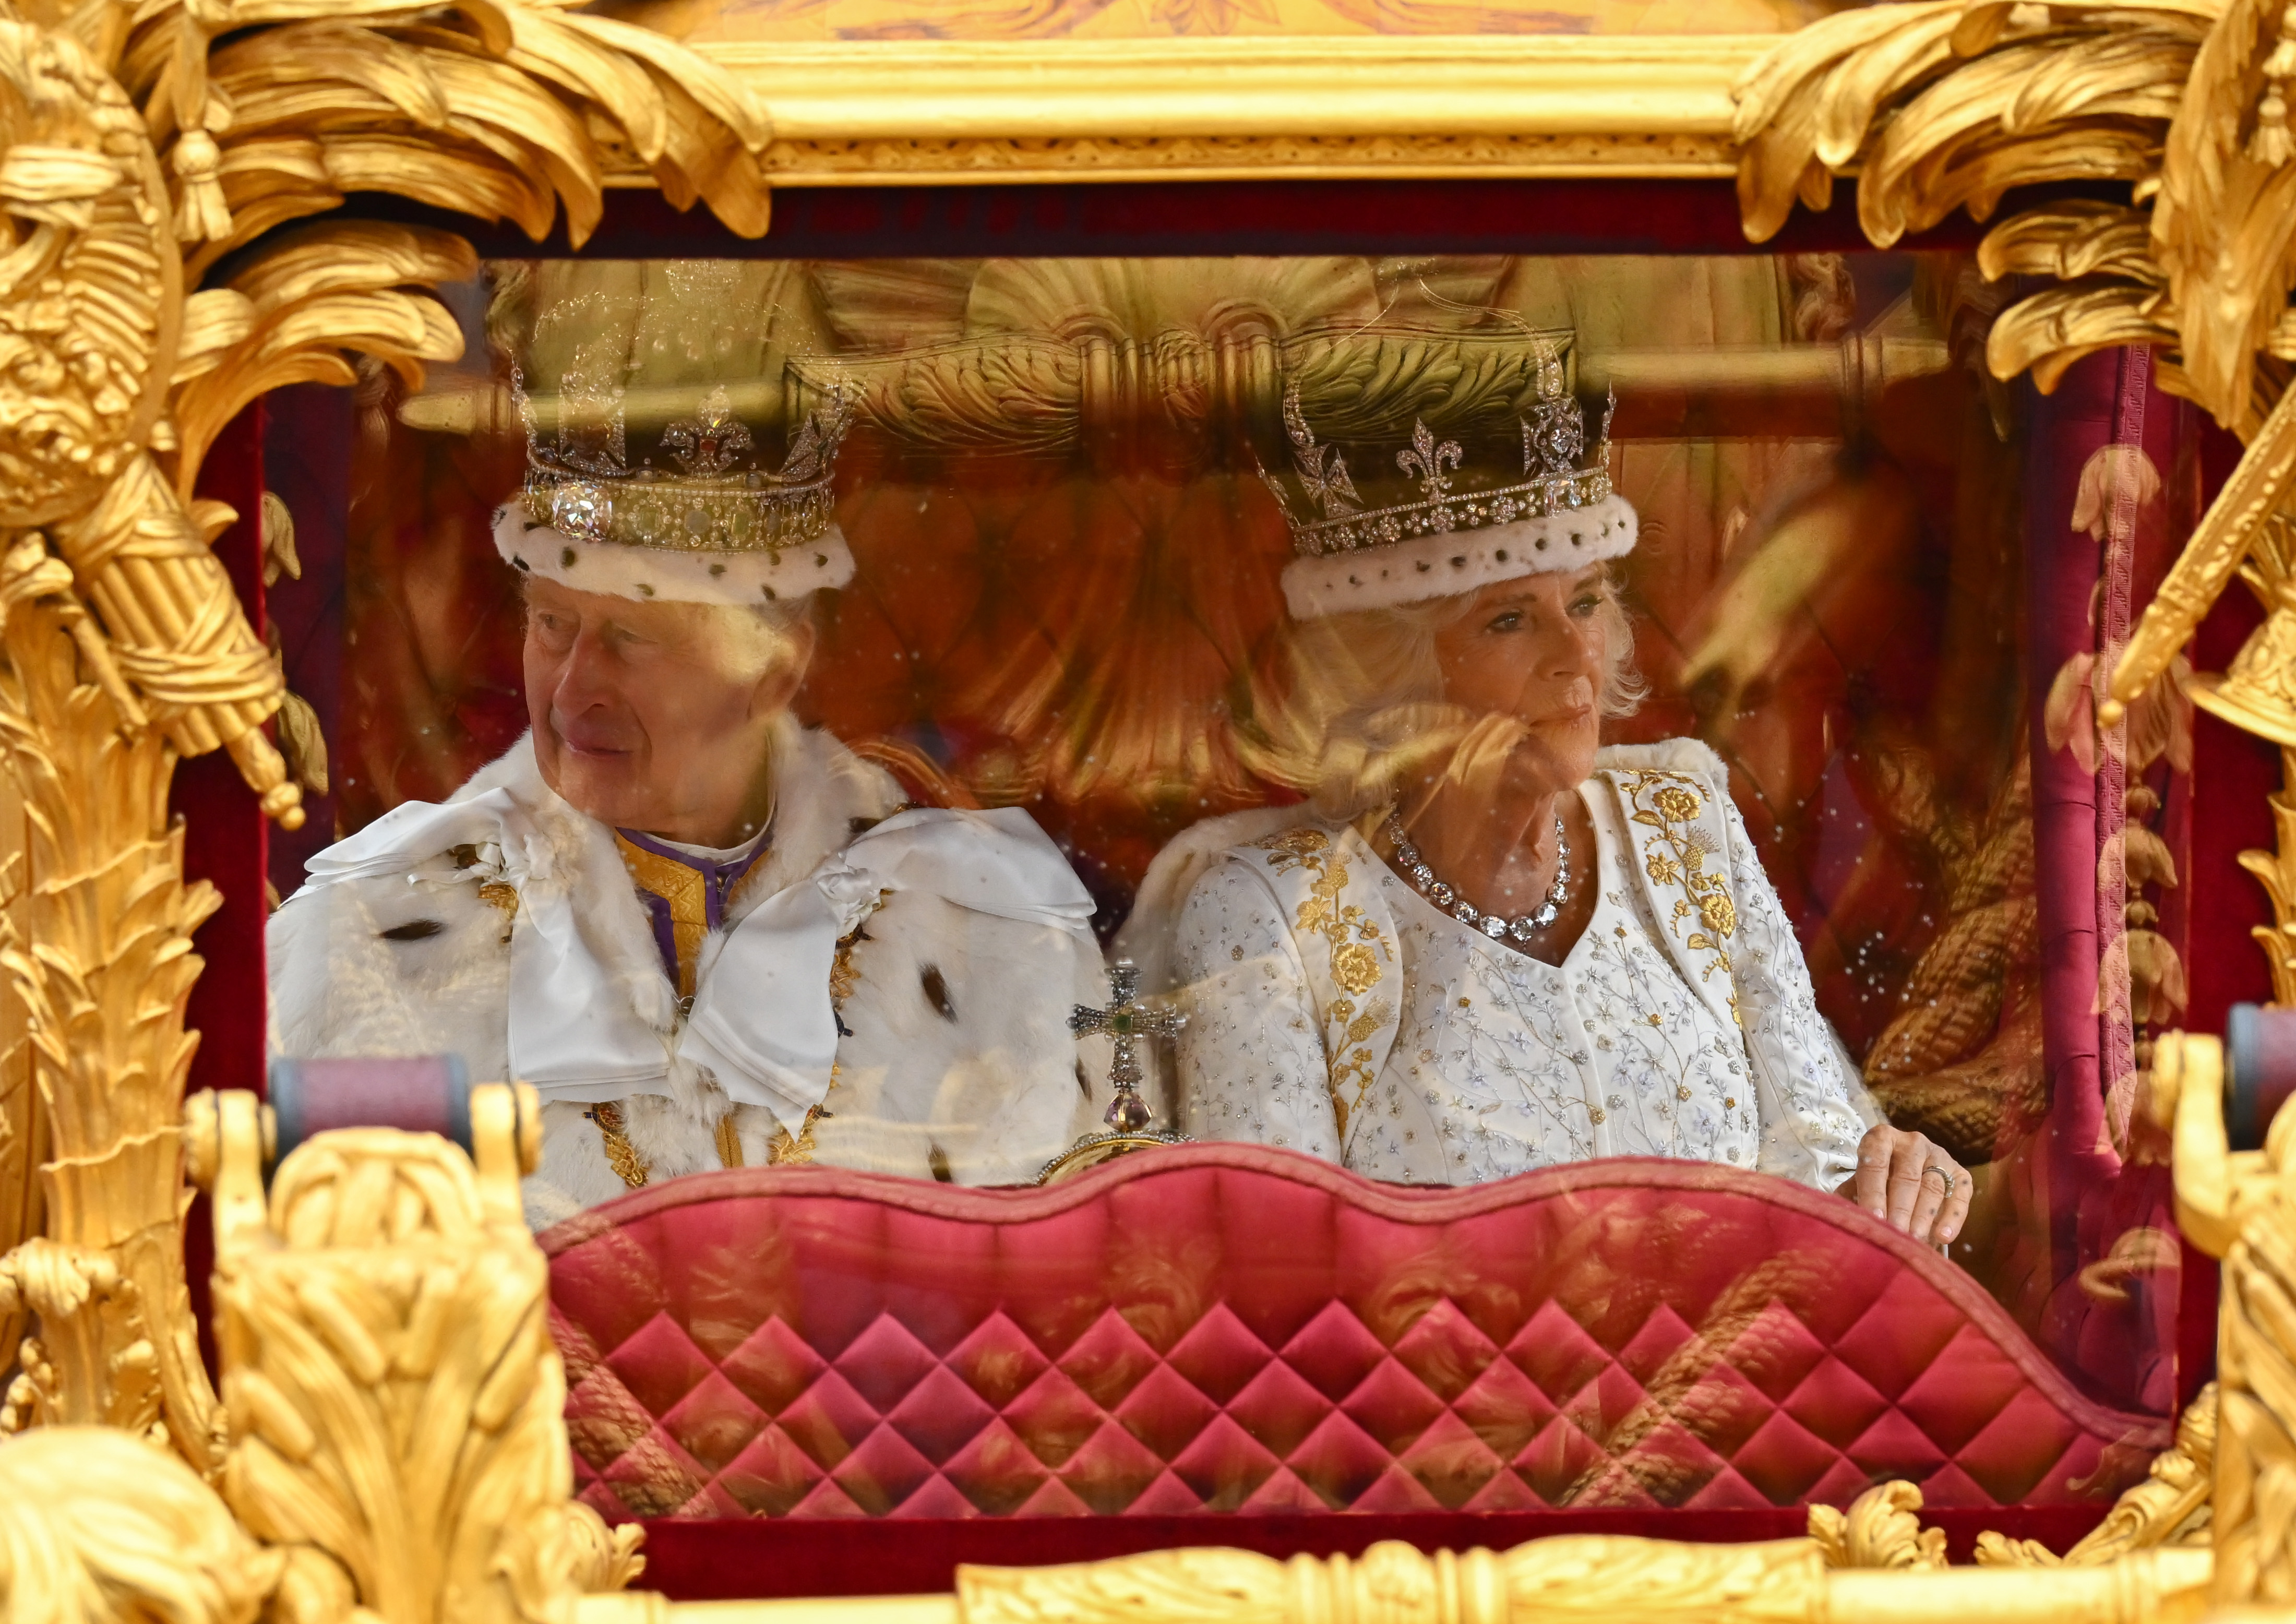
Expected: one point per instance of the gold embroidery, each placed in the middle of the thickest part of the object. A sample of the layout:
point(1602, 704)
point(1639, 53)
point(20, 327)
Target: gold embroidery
point(621, 1155)
point(844, 976)
point(681, 887)
point(786, 1152)
point(1670, 803)
point(1358, 946)
point(729, 1142)
point(503, 897)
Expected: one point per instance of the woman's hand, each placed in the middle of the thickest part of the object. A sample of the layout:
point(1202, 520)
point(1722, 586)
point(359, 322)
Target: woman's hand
point(1917, 1188)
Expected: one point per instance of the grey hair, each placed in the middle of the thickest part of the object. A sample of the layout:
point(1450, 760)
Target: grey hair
point(1362, 704)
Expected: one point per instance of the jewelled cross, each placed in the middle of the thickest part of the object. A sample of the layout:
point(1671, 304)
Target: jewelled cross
point(1124, 1019)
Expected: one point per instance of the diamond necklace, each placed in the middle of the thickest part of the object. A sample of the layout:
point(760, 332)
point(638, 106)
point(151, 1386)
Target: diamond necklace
point(1493, 925)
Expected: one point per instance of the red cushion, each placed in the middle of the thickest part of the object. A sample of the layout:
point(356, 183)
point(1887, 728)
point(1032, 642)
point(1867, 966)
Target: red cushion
point(1232, 1328)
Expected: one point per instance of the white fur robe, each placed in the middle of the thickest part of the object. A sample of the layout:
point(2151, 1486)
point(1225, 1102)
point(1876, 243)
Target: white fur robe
point(957, 1061)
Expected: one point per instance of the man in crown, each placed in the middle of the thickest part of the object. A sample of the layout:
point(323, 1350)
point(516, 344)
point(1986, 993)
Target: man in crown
point(711, 937)
point(1486, 944)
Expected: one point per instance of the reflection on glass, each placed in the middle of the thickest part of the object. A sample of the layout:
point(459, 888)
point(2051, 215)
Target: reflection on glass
point(1709, 835)
point(709, 936)
point(1484, 945)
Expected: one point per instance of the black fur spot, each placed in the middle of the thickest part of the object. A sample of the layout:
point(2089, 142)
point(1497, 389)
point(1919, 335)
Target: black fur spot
point(1084, 1082)
point(413, 930)
point(937, 991)
point(566, 558)
point(937, 1158)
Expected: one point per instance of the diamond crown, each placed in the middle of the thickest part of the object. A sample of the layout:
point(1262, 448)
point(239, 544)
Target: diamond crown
point(1333, 518)
point(580, 483)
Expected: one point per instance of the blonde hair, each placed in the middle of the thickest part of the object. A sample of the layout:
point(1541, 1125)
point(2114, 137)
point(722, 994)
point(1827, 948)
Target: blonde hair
point(1351, 705)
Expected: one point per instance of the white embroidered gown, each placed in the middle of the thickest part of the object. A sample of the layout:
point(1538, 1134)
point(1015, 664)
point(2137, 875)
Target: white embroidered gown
point(1333, 1010)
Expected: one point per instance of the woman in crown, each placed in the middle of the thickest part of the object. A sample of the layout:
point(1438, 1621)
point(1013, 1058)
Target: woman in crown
point(711, 937)
point(1487, 943)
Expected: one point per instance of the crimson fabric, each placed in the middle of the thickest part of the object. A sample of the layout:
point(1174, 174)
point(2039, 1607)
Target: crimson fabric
point(224, 831)
point(226, 842)
point(691, 1560)
point(1235, 1328)
point(1220, 218)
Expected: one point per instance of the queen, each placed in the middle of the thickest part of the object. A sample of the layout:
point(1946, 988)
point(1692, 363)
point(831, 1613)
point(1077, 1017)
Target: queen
point(1485, 943)
point(709, 936)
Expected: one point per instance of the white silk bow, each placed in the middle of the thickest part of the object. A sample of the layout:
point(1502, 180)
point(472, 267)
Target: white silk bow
point(762, 1020)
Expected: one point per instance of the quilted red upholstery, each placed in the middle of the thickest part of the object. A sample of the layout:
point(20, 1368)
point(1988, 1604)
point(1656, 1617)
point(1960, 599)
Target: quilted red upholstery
point(1232, 1328)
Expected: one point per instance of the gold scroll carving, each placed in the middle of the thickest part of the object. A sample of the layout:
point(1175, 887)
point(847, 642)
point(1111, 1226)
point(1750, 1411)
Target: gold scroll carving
point(394, 1451)
point(138, 146)
point(394, 1401)
point(94, 945)
point(1951, 104)
point(97, 1526)
point(2239, 1206)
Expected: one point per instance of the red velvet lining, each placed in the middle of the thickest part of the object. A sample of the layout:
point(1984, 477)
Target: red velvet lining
point(1433, 1209)
point(1222, 217)
point(226, 842)
point(698, 1560)
point(224, 832)
point(1239, 1329)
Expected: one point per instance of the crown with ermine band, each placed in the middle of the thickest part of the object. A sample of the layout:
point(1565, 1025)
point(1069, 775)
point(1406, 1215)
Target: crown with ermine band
point(1556, 478)
point(714, 497)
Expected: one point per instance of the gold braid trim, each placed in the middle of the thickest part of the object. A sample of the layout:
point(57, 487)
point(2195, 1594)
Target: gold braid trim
point(621, 1155)
point(844, 975)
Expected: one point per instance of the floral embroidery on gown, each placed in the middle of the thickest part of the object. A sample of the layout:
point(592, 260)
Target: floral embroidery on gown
point(1333, 1010)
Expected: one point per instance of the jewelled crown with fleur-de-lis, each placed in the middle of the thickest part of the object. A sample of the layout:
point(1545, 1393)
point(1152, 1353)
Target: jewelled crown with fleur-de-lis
point(1457, 534)
point(708, 494)
point(1332, 518)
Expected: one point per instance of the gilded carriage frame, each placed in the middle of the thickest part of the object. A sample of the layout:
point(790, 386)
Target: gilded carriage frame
point(175, 175)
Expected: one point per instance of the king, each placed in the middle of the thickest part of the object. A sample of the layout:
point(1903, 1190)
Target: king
point(709, 936)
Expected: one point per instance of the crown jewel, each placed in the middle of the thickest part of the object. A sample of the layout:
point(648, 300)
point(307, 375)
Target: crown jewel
point(579, 481)
point(1554, 479)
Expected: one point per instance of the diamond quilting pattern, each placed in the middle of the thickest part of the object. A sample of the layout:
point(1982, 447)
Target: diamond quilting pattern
point(1230, 1328)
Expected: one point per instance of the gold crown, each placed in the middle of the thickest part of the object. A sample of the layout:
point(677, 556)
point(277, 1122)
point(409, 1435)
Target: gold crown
point(717, 499)
point(1553, 440)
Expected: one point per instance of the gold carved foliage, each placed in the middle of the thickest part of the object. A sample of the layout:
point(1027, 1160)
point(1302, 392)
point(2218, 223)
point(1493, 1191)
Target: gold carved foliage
point(394, 1400)
point(1949, 104)
point(138, 146)
point(98, 1526)
point(394, 1446)
point(96, 947)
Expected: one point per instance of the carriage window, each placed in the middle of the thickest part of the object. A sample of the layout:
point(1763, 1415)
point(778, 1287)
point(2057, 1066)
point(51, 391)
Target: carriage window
point(1574, 719)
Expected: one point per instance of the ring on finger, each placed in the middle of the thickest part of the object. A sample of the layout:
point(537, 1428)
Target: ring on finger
point(1942, 1173)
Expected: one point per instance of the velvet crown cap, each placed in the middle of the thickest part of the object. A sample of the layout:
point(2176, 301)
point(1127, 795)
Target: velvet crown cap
point(1450, 531)
point(645, 476)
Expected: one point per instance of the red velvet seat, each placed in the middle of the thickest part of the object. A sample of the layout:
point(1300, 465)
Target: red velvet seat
point(1232, 1328)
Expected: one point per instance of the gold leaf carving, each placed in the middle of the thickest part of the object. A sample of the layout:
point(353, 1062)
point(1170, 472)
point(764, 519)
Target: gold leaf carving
point(98, 953)
point(393, 1397)
point(97, 1527)
point(1879, 1531)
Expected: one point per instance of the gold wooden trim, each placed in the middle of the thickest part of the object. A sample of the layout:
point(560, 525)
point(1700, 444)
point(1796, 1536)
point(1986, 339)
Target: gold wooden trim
point(957, 112)
point(388, 1434)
